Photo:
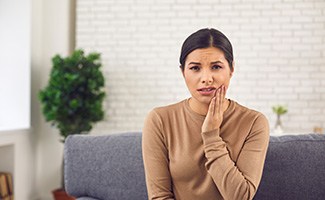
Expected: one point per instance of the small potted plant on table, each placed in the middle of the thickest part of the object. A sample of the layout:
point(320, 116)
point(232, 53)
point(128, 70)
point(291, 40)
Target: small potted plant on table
point(279, 110)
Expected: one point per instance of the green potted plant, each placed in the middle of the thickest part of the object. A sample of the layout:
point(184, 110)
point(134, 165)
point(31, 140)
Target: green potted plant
point(72, 101)
point(279, 110)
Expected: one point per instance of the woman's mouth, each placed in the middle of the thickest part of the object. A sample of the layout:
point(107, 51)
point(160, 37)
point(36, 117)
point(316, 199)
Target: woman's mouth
point(206, 91)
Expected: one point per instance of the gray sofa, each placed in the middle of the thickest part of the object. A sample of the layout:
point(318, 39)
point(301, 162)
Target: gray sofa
point(110, 168)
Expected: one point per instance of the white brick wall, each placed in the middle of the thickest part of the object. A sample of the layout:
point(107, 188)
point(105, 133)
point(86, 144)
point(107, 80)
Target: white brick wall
point(279, 48)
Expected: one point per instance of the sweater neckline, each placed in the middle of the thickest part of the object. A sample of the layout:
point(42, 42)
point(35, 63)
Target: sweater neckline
point(226, 114)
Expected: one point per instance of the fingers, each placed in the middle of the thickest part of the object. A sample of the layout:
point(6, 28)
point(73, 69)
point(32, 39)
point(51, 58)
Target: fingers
point(223, 93)
point(216, 104)
point(214, 116)
point(214, 99)
point(212, 106)
point(220, 98)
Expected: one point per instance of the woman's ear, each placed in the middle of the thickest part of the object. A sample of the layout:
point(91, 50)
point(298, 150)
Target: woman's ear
point(232, 69)
point(182, 70)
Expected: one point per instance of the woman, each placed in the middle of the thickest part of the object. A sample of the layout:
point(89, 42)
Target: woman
point(206, 147)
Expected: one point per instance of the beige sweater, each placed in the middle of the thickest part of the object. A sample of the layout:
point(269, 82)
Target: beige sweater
point(184, 164)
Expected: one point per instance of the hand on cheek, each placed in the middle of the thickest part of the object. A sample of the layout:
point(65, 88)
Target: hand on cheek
point(214, 116)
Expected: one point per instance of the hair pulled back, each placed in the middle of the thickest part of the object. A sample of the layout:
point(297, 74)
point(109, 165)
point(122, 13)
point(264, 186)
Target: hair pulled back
point(204, 38)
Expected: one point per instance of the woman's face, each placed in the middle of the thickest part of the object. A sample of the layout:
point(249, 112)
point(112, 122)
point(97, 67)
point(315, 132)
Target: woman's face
point(205, 71)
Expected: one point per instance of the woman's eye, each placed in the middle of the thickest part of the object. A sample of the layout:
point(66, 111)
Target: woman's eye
point(216, 67)
point(195, 68)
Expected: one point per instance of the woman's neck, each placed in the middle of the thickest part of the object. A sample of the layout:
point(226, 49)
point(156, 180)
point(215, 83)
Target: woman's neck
point(202, 108)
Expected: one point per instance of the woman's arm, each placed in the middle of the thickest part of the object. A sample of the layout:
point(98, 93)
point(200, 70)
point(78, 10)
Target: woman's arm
point(234, 180)
point(237, 180)
point(155, 157)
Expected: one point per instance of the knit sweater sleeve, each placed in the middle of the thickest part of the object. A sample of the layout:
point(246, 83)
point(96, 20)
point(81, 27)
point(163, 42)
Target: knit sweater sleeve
point(155, 157)
point(240, 179)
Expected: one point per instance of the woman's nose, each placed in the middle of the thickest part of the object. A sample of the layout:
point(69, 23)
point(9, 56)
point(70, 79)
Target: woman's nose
point(206, 78)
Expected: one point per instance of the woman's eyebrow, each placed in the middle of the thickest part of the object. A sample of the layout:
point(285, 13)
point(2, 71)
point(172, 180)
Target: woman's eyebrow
point(194, 63)
point(216, 62)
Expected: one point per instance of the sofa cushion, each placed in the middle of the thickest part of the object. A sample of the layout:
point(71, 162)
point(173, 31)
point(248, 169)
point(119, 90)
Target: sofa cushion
point(110, 167)
point(105, 167)
point(294, 168)
point(86, 198)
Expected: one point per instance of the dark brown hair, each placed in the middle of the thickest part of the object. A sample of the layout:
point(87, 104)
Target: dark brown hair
point(204, 38)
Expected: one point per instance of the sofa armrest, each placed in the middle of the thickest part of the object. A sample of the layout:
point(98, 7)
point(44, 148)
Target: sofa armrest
point(104, 167)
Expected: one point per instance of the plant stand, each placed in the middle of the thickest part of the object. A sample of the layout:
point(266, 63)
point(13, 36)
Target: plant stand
point(60, 194)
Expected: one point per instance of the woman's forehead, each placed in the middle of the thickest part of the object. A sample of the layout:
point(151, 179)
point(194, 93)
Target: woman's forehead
point(206, 54)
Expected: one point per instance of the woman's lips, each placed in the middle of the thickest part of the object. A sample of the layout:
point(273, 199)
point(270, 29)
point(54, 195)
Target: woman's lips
point(206, 91)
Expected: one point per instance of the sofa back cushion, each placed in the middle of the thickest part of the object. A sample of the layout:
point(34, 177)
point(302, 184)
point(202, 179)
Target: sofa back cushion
point(294, 168)
point(110, 167)
point(106, 167)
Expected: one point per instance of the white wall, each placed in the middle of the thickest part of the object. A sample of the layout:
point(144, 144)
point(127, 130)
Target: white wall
point(35, 154)
point(15, 64)
point(278, 44)
point(50, 36)
point(17, 141)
